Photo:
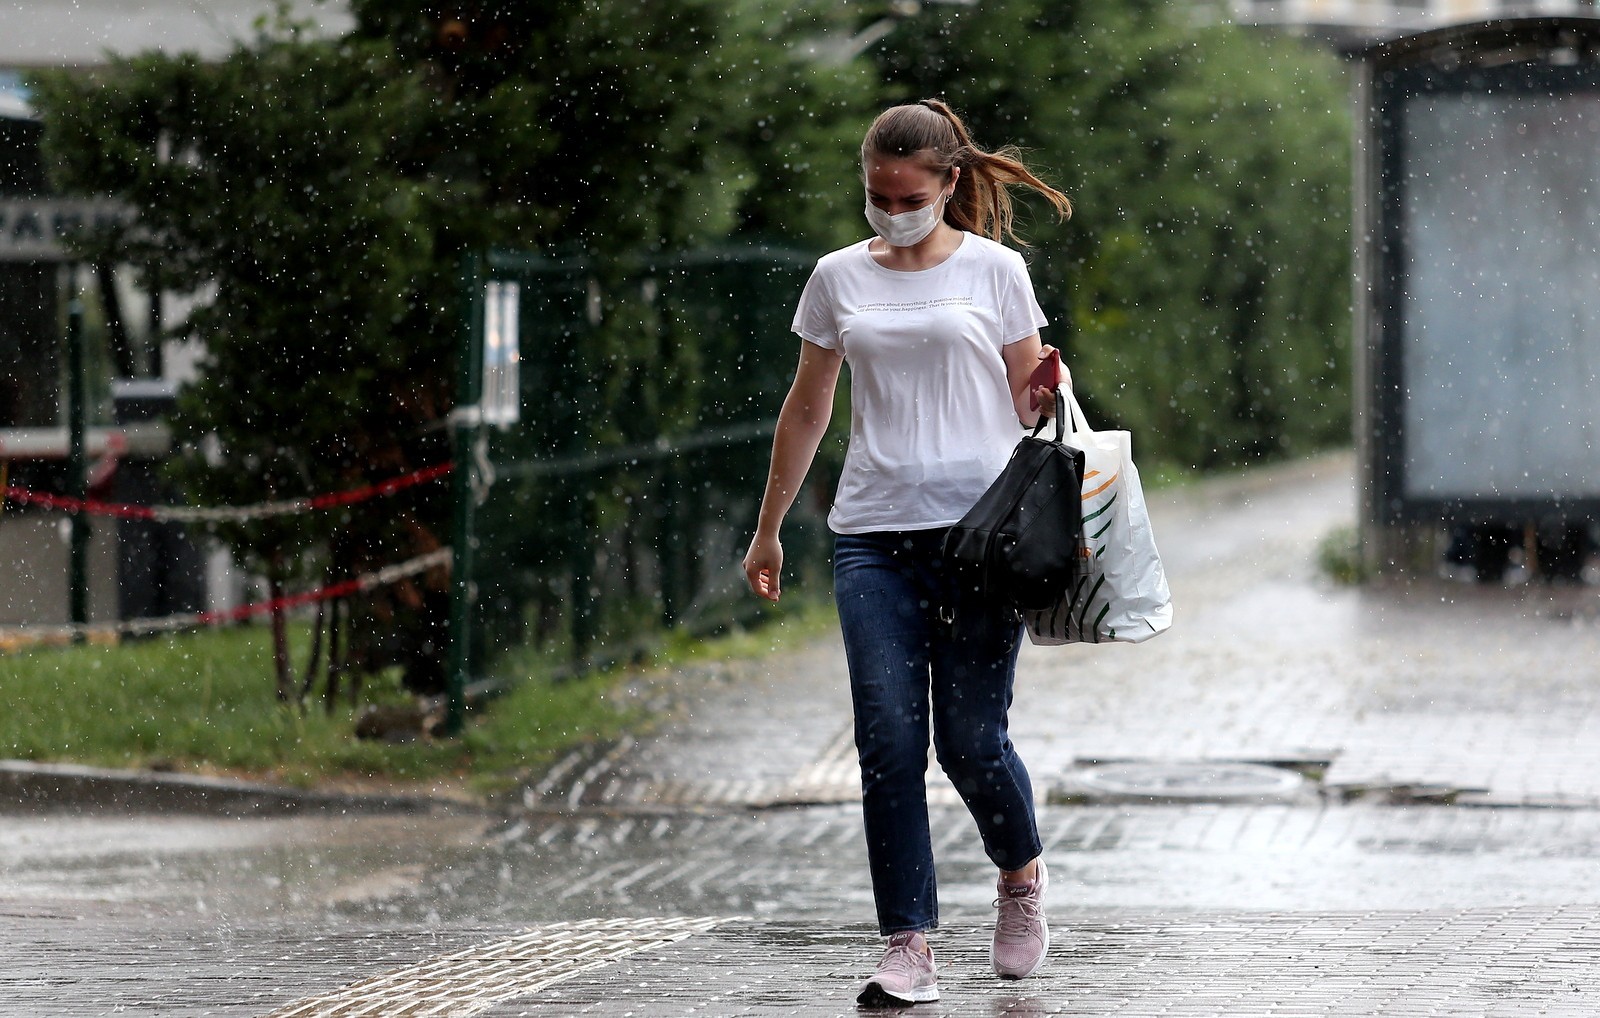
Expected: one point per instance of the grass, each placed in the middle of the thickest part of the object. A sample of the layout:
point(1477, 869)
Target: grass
point(1339, 557)
point(203, 703)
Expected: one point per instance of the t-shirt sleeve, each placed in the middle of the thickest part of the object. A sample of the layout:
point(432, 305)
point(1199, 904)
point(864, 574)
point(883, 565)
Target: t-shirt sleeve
point(814, 319)
point(1020, 314)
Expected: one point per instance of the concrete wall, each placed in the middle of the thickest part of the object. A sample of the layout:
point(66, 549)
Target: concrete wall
point(33, 555)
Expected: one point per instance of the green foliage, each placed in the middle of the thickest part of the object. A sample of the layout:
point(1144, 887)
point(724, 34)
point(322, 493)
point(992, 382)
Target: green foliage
point(591, 563)
point(1200, 291)
point(1339, 557)
point(629, 143)
point(315, 196)
point(267, 189)
point(615, 128)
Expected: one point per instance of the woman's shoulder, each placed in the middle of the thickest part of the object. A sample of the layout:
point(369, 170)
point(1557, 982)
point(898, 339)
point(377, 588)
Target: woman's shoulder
point(844, 256)
point(976, 245)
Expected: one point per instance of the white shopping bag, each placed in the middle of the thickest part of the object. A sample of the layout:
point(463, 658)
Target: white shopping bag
point(1121, 594)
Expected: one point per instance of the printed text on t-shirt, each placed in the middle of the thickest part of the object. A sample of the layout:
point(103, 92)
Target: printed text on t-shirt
point(916, 305)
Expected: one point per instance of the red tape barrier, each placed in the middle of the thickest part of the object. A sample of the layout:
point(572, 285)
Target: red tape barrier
point(436, 559)
point(330, 500)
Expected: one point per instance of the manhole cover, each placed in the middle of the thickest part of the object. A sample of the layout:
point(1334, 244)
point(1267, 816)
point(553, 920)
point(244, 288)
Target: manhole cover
point(1188, 781)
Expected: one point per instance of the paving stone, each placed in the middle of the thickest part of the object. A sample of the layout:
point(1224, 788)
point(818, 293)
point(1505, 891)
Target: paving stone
point(1392, 902)
point(1487, 962)
point(1202, 964)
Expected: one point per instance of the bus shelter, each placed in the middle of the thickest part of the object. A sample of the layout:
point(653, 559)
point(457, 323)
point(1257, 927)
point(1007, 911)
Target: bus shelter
point(1477, 299)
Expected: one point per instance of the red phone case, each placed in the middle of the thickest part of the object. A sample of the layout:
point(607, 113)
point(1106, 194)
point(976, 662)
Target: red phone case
point(1047, 374)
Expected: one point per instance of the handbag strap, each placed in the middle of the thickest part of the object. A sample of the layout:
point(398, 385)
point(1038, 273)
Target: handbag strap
point(1080, 422)
point(1068, 403)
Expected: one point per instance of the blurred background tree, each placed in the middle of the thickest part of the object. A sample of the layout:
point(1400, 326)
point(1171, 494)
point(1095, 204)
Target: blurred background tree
point(622, 135)
point(623, 141)
point(316, 196)
point(266, 185)
point(1200, 292)
point(319, 195)
point(603, 127)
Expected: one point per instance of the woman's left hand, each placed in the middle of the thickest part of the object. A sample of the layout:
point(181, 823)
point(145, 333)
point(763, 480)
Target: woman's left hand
point(1023, 359)
point(1044, 396)
point(1047, 401)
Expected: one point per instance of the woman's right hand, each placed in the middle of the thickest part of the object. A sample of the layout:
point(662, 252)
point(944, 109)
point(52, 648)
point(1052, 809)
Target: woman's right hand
point(801, 425)
point(762, 565)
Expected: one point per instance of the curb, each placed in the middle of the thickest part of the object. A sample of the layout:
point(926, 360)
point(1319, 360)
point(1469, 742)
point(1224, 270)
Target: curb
point(39, 787)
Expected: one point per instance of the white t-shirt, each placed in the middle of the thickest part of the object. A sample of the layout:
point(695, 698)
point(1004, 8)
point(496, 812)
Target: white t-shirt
point(932, 421)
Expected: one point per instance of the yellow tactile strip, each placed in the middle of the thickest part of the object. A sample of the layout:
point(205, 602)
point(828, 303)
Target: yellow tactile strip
point(470, 981)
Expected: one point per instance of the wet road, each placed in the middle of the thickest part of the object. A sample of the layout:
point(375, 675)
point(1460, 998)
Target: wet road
point(1424, 836)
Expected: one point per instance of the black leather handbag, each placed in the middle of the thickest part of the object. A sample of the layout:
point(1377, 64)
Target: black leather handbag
point(1021, 544)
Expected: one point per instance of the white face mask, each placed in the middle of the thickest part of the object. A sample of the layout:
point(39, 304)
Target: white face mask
point(906, 228)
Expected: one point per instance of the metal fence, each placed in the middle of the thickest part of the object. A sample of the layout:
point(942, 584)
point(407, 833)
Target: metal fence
point(616, 505)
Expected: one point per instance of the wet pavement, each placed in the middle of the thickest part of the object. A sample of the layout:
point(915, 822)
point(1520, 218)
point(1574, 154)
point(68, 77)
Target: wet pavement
point(1303, 800)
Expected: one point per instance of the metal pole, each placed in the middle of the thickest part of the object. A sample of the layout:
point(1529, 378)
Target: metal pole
point(77, 467)
point(464, 430)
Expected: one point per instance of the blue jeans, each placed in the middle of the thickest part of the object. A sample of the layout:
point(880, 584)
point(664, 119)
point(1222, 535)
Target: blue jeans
point(909, 666)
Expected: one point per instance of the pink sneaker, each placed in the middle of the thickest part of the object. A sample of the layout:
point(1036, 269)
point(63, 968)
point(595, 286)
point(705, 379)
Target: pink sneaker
point(1021, 936)
point(906, 975)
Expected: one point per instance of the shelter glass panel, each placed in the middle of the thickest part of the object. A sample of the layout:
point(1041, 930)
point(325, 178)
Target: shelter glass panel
point(1501, 309)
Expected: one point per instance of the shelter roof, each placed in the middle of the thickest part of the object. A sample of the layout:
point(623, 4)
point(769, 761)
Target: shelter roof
point(1481, 41)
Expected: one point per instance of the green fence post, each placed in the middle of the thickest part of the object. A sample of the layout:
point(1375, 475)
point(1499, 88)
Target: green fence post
point(77, 469)
point(465, 425)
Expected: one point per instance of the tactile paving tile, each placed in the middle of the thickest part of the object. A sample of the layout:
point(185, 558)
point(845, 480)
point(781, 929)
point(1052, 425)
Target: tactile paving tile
point(469, 981)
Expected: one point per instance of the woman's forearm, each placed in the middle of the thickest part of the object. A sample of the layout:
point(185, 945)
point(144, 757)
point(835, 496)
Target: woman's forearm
point(801, 426)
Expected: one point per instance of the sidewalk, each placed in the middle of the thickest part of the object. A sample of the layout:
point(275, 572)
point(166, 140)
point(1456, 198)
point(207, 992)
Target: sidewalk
point(1303, 800)
point(1496, 962)
point(1487, 696)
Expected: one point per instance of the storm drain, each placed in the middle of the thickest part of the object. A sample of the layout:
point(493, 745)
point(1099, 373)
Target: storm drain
point(1181, 781)
point(468, 982)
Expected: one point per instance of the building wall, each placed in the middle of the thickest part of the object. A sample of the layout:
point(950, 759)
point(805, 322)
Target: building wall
point(55, 33)
point(134, 569)
point(34, 548)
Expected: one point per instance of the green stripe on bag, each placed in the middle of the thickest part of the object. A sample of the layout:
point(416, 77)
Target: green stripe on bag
point(1100, 510)
point(1088, 602)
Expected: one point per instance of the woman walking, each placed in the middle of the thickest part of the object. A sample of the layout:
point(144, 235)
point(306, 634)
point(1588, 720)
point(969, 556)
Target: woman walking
point(939, 324)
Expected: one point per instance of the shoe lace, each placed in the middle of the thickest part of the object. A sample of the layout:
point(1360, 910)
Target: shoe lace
point(1019, 916)
point(904, 959)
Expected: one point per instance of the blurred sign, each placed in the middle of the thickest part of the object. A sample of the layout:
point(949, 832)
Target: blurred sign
point(34, 229)
point(501, 403)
